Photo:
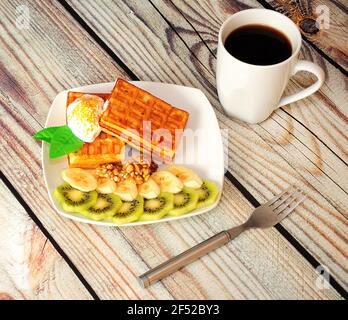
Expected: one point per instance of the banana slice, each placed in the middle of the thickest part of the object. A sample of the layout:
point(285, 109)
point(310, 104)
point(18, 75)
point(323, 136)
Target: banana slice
point(80, 179)
point(149, 189)
point(127, 190)
point(167, 181)
point(106, 185)
point(187, 176)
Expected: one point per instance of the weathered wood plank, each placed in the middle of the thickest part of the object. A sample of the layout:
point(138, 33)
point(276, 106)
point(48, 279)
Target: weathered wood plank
point(111, 258)
point(30, 267)
point(36, 63)
point(324, 23)
point(264, 157)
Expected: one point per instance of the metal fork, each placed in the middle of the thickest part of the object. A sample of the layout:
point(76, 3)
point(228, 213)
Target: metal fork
point(265, 216)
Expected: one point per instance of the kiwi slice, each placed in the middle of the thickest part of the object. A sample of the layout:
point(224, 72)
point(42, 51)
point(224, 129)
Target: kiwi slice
point(207, 194)
point(184, 201)
point(105, 206)
point(155, 209)
point(73, 200)
point(129, 211)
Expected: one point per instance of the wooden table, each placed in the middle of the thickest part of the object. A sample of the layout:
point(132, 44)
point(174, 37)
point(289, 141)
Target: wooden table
point(71, 43)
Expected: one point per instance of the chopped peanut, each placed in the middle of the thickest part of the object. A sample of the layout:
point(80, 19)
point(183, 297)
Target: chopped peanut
point(122, 171)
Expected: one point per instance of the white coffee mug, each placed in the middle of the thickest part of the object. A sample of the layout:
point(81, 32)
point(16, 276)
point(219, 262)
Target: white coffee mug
point(251, 92)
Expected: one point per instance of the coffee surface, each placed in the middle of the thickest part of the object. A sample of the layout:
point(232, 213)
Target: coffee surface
point(258, 44)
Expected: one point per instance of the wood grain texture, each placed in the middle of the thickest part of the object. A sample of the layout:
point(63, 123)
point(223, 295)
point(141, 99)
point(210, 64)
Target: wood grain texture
point(111, 258)
point(325, 113)
point(36, 63)
point(30, 267)
point(303, 144)
point(324, 23)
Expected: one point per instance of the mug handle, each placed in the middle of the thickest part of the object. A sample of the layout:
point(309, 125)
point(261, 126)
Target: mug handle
point(303, 65)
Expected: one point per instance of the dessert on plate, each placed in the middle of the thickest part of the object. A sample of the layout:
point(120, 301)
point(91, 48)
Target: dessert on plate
point(129, 107)
point(103, 148)
point(101, 183)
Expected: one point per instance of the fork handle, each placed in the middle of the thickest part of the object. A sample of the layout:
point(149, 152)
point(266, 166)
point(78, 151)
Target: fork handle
point(188, 256)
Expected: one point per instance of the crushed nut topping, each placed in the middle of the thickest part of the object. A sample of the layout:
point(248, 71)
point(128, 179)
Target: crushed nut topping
point(139, 171)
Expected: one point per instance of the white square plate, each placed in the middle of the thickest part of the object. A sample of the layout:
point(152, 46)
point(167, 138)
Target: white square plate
point(204, 154)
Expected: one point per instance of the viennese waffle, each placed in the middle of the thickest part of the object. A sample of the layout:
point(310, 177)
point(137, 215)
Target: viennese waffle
point(129, 106)
point(104, 149)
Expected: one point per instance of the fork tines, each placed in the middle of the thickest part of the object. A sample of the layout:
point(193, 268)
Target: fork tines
point(286, 201)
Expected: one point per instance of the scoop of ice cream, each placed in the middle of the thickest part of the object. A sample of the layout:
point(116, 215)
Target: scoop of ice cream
point(83, 117)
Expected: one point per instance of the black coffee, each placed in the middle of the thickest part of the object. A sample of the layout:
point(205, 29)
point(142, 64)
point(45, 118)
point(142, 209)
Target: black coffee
point(258, 44)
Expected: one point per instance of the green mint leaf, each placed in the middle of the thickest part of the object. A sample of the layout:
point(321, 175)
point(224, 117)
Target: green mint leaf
point(46, 134)
point(64, 142)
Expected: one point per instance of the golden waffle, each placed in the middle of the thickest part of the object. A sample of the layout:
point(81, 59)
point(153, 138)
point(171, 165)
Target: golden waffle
point(129, 106)
point(104, 149)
